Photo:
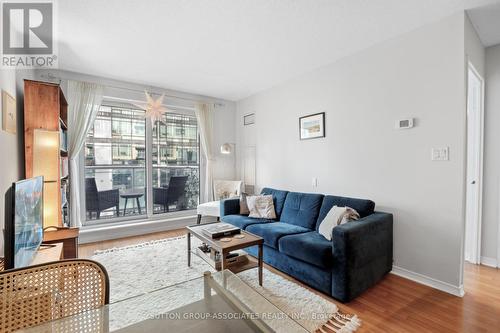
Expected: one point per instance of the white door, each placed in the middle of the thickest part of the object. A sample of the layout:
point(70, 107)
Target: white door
point(474, 166)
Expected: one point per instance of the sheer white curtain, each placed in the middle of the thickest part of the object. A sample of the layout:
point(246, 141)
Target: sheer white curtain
point(84, 100)
point(205, 116)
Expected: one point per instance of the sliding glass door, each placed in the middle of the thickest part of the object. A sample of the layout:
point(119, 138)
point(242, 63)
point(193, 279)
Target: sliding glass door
point(175, 163)
point(118, 162)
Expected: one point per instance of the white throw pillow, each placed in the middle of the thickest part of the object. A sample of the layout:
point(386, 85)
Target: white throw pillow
point(261, 206)
point(336, 216)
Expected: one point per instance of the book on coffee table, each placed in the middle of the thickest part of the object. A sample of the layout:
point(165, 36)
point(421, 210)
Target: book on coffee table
point(218, 230)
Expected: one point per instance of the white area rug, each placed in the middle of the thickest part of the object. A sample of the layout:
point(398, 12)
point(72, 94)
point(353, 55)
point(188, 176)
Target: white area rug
point(143, 268)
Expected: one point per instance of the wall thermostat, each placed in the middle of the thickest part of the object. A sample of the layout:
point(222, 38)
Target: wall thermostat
point(404, 123)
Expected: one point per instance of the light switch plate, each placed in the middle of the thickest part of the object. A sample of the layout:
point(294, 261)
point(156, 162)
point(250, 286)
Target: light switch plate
point(440, 154)
point(315, 182)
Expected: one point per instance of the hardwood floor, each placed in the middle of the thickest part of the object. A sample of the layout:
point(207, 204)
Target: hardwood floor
point(397, 304)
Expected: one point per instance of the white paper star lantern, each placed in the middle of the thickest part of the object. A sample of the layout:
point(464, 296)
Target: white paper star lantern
point(154, 109)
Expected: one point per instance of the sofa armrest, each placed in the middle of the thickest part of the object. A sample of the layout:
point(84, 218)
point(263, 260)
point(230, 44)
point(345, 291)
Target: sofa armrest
point(229, 207)
point(362, 252)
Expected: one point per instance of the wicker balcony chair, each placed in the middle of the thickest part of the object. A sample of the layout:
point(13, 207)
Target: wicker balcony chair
point(174, 193)
point(33, 295)
point(97, 201)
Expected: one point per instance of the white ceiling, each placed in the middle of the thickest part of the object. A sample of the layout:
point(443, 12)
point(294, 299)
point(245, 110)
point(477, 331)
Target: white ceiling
point(486, 21)
point(229, 48)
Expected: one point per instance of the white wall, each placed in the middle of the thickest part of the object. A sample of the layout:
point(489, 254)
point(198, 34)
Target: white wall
point(224, 132)
point(491, 193)
point(9, 149)
point(420, 74)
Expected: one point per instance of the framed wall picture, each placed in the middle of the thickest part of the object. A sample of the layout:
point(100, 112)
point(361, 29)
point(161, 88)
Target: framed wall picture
point(312, 126)
point(9, 114)
point(249, 119)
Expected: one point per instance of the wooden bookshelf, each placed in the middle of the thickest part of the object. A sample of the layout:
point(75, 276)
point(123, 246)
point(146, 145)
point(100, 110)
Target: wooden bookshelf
point(46, 109)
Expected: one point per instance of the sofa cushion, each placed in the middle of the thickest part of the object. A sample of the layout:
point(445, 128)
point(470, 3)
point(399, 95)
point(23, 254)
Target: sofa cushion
point(278, 199)
point(301, 209)
point(310, 247)
point(272, 232)
point(242, 221)
point(362, 206)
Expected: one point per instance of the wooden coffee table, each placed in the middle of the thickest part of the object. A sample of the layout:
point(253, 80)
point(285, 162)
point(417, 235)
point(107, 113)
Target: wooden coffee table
point(225, 247)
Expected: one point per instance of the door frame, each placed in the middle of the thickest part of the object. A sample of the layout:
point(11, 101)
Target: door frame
point(476, 248)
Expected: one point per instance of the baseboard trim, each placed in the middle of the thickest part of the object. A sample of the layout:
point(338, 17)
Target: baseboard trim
point(490, 262)
point(428, 281)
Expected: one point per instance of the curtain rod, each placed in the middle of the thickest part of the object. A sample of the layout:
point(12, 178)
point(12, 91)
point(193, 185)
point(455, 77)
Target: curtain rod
point(53, 77)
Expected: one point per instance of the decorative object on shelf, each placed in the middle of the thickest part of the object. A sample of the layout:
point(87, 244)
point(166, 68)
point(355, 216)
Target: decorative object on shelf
point(312, 126)
point(154, 108)
point(9, 116)
point(249, 119)
point(220, 230)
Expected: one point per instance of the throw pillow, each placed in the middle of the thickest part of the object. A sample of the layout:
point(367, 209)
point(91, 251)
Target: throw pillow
point(261, 206)
point(243, 204)
point(336, 216)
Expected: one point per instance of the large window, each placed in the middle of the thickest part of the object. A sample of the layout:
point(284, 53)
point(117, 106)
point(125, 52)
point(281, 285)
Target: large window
point(117, 166)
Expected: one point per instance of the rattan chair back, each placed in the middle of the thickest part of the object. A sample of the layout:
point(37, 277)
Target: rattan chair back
point(33, 295)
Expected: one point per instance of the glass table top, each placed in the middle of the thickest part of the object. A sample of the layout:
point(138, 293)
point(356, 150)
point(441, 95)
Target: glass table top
point(216, 302)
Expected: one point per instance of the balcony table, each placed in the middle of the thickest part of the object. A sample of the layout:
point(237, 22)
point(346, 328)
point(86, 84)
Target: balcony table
point(132, 194)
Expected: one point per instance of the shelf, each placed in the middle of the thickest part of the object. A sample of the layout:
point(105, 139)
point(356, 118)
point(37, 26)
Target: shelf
point(235, 267)
point(252, 263)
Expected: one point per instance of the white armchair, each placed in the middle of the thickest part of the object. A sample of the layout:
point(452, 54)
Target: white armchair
point(223, 189)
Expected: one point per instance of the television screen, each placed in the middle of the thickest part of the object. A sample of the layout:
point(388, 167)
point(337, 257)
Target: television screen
point(28, 220)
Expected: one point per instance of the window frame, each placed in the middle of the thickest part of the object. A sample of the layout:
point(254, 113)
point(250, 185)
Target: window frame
point(148, 169)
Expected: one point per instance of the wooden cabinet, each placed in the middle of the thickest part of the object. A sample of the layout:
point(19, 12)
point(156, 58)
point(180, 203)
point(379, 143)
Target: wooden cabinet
point(67, 236)
point(45, 151)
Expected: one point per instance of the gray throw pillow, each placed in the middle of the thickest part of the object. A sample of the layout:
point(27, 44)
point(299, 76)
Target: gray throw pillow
point(243, 204)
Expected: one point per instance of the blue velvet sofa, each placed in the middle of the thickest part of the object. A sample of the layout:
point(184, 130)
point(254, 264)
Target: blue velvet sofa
point(357, 257)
